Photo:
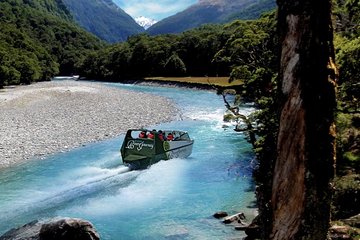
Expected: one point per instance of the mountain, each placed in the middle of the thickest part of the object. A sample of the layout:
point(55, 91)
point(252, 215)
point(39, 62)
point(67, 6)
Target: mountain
point(253, 11)
point(211, 11)
point(39, 39)
point(145, 22)
point(104, 19)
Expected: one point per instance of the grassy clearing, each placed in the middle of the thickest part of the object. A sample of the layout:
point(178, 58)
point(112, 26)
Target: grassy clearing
point(216, 81)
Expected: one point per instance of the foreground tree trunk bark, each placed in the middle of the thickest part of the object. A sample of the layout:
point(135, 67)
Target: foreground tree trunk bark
point(304, 167)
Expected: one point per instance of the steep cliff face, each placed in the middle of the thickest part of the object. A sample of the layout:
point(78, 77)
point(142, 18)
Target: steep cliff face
point(301, 191)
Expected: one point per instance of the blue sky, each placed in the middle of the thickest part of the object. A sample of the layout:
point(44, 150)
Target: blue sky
point(155, 9)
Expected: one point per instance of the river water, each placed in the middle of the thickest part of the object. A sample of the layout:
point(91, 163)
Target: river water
point(173, 199)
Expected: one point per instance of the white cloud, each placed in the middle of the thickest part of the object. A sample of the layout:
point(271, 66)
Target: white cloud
point(155, 9)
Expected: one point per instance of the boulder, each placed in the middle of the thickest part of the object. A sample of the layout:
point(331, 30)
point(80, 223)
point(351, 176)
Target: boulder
point(252, 230)
point(29, 231)
point(69, 229)
point(340, 232)
point(353, 221)
point(54, 229)
point(220, 214)
point(236, 217)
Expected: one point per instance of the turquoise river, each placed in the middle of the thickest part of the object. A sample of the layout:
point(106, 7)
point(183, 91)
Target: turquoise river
point(173, 199)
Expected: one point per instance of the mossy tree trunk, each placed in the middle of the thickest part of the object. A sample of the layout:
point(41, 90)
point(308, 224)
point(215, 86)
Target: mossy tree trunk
point(304, 167)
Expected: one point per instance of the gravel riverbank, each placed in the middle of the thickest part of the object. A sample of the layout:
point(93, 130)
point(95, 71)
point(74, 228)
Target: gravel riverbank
point(50, 117)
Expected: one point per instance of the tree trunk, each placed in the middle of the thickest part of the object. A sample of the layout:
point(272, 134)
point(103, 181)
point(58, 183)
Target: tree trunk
point(304, 167)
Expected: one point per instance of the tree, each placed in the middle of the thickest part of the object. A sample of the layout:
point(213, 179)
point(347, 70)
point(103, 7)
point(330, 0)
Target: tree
point(28, 68)
point(174, 66)
point(349, 68)
point(251, 50)
point(304, 166)
point(119, 61)
point(197, 48)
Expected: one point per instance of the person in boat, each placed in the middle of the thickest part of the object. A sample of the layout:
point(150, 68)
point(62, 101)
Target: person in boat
point(161, 135)
point(170, 137)
point(151, 134)
point(142, 134)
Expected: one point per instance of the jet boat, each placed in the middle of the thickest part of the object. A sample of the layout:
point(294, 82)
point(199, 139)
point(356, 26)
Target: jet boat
point(142, 147)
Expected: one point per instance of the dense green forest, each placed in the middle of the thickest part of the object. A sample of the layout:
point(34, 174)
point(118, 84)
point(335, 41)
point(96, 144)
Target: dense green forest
point(244, 50)
point(38, 40)
point(347, 47)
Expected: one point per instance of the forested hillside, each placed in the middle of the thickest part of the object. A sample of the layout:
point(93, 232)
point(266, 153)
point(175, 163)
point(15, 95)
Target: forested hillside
point(253, 11)
point(211, 12)
point(104, 19)
point(38, 40)
point(243, 49)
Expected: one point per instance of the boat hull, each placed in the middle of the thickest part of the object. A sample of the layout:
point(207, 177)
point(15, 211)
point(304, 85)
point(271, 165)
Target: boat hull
point(179, 149)
point(141, 153)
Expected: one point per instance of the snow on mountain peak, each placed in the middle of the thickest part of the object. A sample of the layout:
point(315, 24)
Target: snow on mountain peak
point(145, 22)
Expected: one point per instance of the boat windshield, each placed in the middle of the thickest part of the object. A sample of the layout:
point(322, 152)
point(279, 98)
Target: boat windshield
point(183, 136)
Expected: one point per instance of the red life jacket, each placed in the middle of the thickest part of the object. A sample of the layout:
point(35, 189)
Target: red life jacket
point(170, 137)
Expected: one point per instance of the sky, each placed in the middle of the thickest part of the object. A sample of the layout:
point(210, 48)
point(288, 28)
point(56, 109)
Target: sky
point(154, 9)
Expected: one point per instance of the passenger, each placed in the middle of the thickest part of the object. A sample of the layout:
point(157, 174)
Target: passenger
point(161, 135)
point(151, 134)
point(142, 134)
point(170, 137)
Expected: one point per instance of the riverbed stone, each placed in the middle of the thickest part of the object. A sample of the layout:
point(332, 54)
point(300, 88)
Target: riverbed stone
point(68, 229)
point(54, 229)
point(57, 116)
point(29, 231)
point(220, 214)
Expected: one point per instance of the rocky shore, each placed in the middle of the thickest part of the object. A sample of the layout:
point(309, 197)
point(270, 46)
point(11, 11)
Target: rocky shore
point(50, 117)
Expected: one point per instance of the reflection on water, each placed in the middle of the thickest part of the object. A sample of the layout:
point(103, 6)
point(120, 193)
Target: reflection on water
point(173, 199)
